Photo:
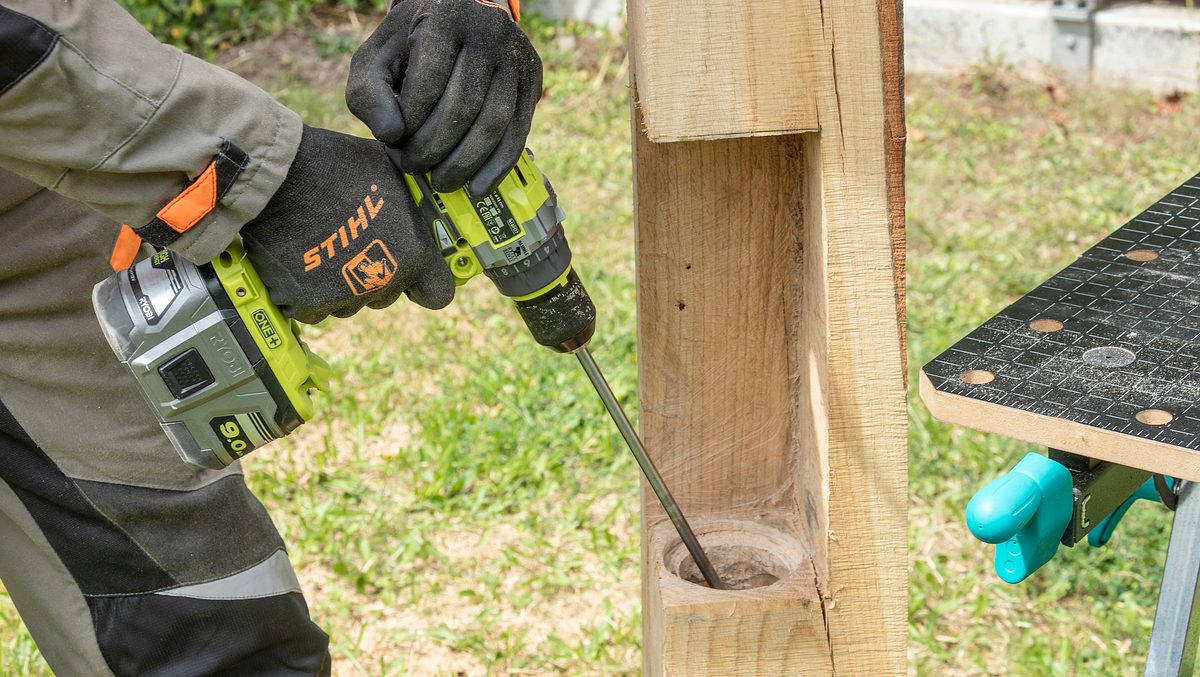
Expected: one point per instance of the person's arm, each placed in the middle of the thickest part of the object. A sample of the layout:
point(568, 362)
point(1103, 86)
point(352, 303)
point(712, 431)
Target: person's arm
point(93, 107)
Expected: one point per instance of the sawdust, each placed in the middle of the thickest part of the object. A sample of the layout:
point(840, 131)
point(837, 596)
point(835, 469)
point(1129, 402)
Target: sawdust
point(739, 568)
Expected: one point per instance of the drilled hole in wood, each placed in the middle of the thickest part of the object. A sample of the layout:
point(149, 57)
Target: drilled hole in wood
point(977, 377)
point(1154, 417)
point(1141, 255)
point(1046, 325)
point(746, 556)
point(741, 567)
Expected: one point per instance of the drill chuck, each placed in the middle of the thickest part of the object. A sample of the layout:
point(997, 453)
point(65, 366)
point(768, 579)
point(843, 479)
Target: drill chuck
point(562, 319)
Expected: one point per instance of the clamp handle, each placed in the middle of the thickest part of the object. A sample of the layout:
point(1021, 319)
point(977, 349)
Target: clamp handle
point(1024, 512)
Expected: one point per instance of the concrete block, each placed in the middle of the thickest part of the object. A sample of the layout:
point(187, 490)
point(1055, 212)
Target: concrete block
point(1135, 44)
point(606, 13)
point(951, 35)
point(1148, 47)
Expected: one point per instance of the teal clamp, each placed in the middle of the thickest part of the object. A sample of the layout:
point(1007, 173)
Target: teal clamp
point(1025, 513)
point(1103, 532)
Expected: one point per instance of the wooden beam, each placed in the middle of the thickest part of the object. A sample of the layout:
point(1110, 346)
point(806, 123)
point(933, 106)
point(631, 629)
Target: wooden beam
point(718, 229)
point(867, 418)
point(731, 69)
point(772, 630)
point(769, 306)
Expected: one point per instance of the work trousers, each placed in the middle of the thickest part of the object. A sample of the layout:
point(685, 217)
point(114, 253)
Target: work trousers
point(120, 557)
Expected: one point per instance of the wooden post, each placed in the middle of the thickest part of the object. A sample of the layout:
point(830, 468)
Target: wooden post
point(769, 144)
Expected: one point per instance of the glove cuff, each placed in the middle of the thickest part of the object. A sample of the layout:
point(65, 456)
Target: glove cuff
point(511, 7)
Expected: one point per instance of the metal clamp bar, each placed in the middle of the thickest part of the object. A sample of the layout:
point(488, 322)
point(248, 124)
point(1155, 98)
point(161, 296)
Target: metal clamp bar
point(1176, 621)
point(1098, 488)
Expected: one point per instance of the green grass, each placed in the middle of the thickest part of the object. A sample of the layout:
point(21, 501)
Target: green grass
point(1006, 185)
point(462, 504)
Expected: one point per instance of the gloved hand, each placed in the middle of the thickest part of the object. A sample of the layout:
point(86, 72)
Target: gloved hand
point(342, 231)
point(450, 85)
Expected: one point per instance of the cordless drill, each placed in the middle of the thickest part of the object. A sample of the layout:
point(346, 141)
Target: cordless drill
point(225, 372)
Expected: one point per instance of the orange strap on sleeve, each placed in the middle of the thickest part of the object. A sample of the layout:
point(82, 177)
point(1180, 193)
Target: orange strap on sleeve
point(198, 198)
point(126, 249)
point(515, 6)
point(193, 203)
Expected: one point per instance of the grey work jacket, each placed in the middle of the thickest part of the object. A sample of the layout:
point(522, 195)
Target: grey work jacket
point(96, 109)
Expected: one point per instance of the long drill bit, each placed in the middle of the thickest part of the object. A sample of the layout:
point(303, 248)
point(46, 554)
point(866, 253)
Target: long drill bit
point(648, 469)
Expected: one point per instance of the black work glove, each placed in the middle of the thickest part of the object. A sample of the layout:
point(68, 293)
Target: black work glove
point(450, 85)
point(342, 232)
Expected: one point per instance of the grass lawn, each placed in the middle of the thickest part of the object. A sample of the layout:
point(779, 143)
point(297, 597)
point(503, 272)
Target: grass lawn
point(1008, 182)
point(463, 504)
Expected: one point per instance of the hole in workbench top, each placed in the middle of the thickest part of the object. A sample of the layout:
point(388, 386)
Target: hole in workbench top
point(1154, 417)
point(1046, 325)
point(1109, 357)
point(1141, 255)
point(977, 377)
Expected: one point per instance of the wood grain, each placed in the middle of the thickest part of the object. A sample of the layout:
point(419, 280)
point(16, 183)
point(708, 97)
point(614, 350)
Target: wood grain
point(866, 588)
point(720, 70)
point(891, 43)
point(717, 242)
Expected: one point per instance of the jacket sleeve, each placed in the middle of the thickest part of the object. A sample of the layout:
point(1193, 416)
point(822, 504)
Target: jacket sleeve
point(94, 108)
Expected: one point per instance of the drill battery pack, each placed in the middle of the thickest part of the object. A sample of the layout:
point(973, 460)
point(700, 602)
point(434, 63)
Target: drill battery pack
point(219, 365)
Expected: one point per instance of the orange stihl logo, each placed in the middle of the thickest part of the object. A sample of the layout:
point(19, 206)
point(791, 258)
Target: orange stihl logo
point(342, 237)
point(372, 269)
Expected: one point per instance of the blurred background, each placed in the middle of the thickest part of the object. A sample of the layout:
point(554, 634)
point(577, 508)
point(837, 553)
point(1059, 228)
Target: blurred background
point(454, 512)
point(1034, 129)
